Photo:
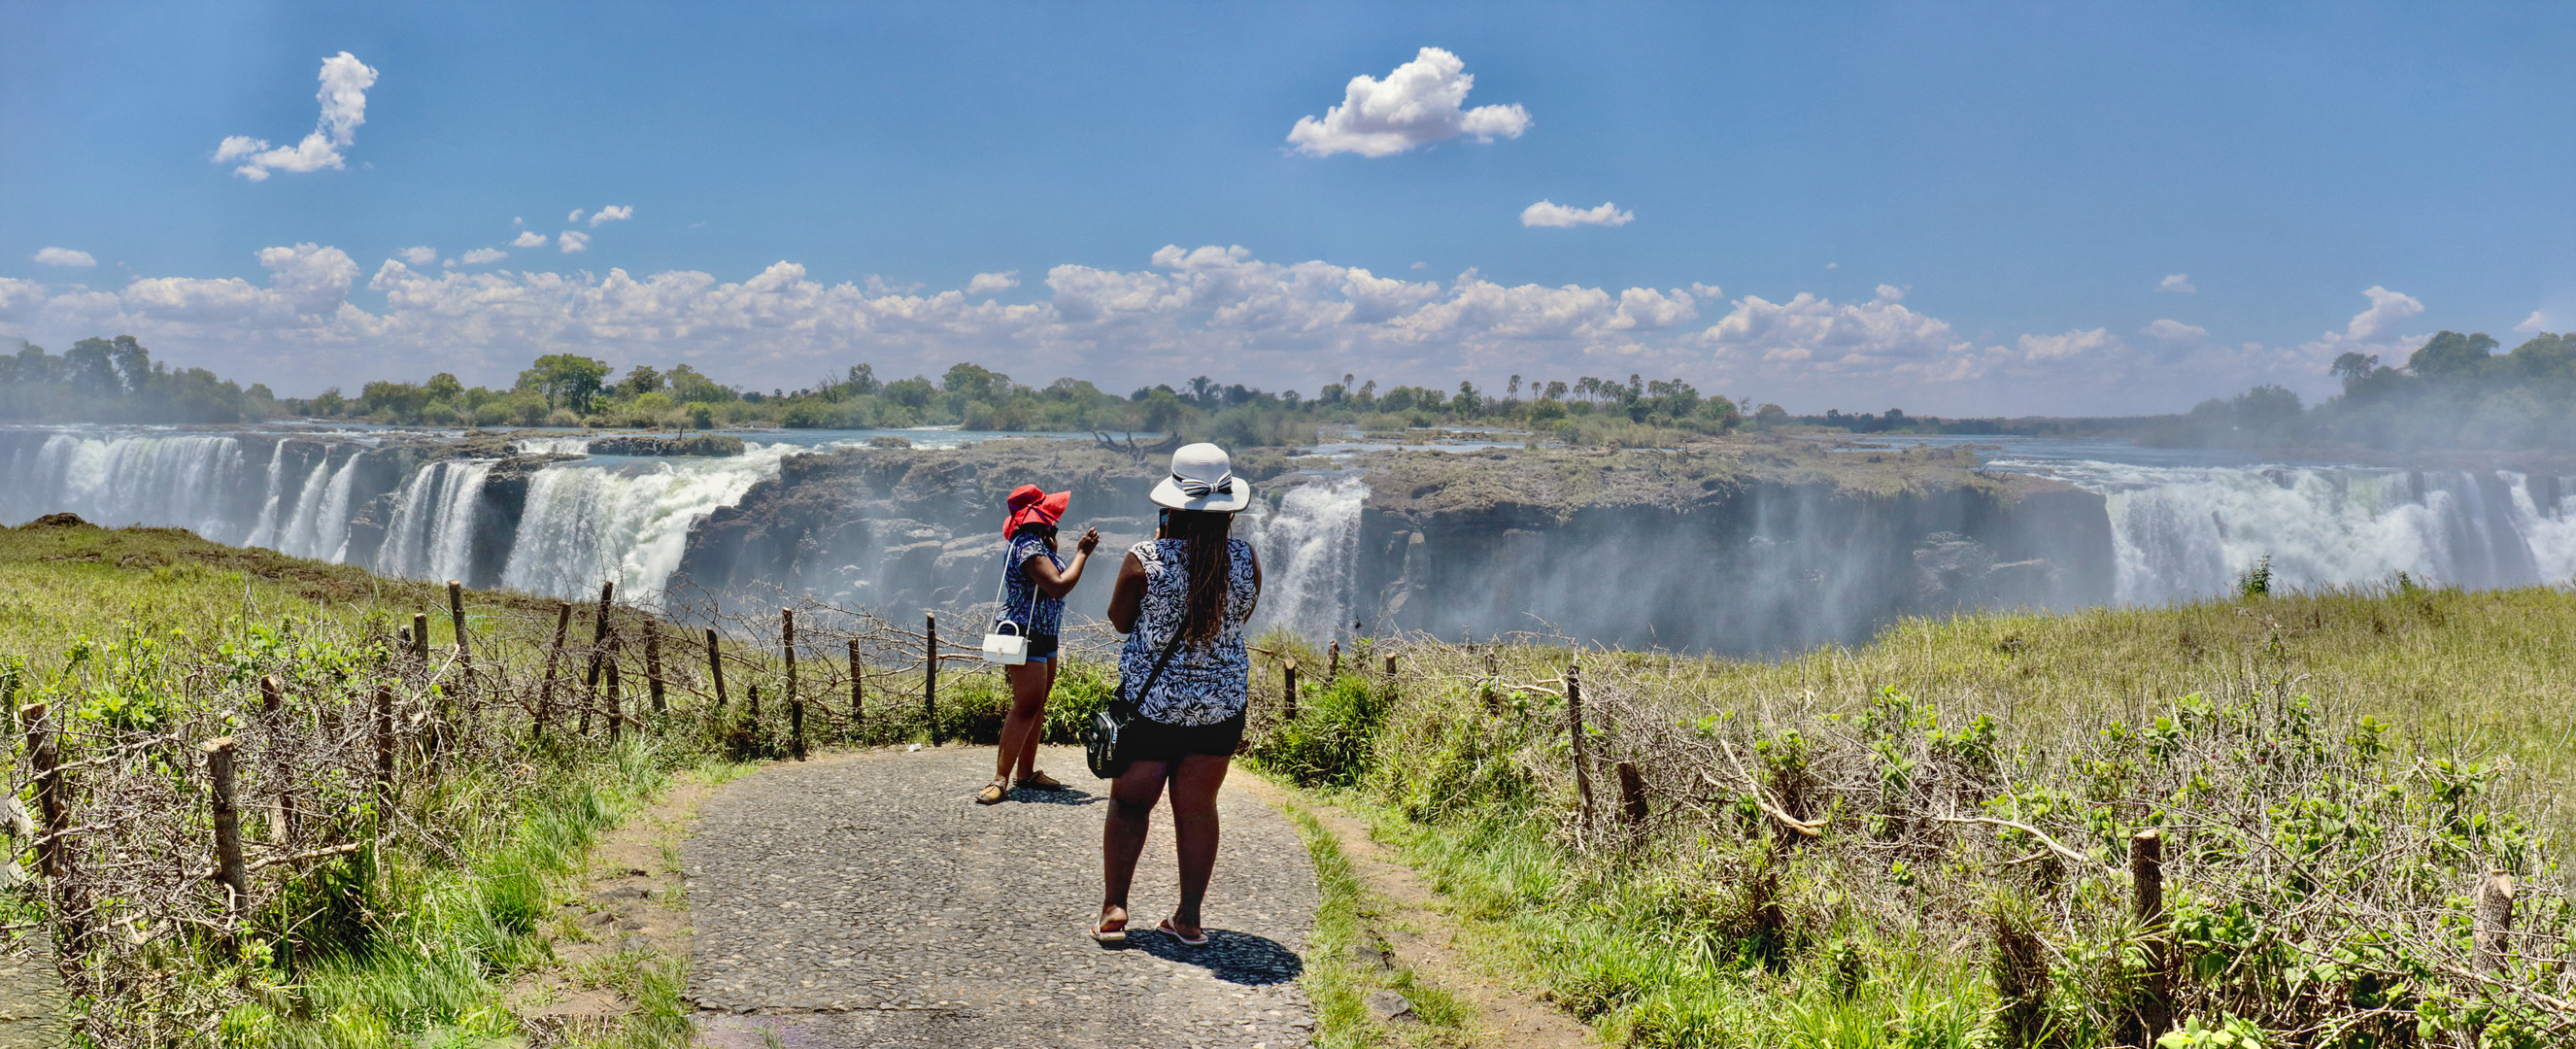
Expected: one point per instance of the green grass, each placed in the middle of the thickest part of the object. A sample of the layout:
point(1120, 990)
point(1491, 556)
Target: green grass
point(408, 943)
point(1339, 982)
point(2390, 745)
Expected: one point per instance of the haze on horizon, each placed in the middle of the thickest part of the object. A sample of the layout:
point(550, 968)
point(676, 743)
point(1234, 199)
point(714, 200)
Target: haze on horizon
point(2093, 209)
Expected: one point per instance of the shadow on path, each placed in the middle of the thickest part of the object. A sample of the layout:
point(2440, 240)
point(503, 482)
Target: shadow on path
point(1234, 957)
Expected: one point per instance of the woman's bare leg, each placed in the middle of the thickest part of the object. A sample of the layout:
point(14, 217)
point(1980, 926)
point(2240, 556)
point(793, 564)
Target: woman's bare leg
point(1122, 834)
point(1194, 829)
point(1037, 724)
point(1029, 684)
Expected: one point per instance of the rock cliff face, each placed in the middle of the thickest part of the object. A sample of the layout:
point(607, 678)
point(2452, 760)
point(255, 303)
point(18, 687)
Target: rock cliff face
point(1739, 546)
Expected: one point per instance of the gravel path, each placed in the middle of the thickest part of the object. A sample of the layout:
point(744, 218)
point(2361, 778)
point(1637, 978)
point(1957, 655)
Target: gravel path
point(865, 900)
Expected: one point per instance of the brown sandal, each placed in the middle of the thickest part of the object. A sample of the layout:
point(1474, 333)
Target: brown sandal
point(1037, 779)
point(992, 794)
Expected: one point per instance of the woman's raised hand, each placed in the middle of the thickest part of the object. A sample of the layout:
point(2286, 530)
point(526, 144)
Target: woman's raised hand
point(1089, 542)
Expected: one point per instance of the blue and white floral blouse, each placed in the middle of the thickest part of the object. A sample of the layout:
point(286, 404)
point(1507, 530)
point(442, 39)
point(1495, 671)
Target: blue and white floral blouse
point(1017, 588)
point(1204, 684)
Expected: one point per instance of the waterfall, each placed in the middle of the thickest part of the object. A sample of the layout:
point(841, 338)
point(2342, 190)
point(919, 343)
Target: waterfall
point(433, 525)
point(623, 519)
point(553, 445)
point(1309, 550)
point(2182, 533)
point(303, 533)
point(264, 532)
point(185, 480)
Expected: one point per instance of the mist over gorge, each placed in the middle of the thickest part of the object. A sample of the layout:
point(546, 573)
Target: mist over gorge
point(1739, 544)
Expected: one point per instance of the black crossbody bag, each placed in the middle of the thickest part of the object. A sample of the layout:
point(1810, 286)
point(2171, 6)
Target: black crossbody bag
point(1100, 742)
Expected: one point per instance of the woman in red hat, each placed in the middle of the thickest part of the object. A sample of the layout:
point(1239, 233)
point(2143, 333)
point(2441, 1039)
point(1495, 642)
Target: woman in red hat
point(1035, 580)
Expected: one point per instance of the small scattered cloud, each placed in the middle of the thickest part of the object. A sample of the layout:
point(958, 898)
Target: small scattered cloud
point(1421, 102)
point(69, 257)
point(2178, 283)
point(418, 256)
point(1833, 265)
point(1552, 214)
point(988, 283)
point(2072, 344)
point(1421, 265)
point(611, 213)
point(480, 256)
point(345, 81)
point(576, 215)
point(516, 222)
point(2529, 325)
point(529, 239)
point(572, 242)
point(2174, 331)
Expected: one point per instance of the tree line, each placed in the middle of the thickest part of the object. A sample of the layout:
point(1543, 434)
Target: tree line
point(103, 380)
point(2454, 392)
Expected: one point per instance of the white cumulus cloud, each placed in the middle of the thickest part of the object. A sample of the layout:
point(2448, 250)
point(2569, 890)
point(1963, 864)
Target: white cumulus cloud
point(2529, 325)
point(575, 216)
point(69, 257)
point(988, 283)
point(480, 256)
point(1421, 102)
point(529, 238)
point(2071, 344)
point(418, 256)
point(2174, 331)
point(2176, 282)
point(1550, 213)
point(345, 81)
point(611, 213)
point(571, 242)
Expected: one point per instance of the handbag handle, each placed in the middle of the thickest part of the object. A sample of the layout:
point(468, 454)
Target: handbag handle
point(1034, 594)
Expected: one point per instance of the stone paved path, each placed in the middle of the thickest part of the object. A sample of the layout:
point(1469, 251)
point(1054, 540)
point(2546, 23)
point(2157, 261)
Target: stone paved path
point(865, 900)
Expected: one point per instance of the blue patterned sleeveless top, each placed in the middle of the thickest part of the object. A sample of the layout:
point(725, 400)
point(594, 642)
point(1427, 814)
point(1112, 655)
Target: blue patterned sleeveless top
point(1027, 608)
point(1204, 684)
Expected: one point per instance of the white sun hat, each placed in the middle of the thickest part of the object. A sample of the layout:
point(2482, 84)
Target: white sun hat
point(1203, 479)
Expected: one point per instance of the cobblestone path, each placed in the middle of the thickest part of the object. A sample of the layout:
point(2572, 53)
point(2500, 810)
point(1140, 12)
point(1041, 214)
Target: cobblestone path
point(866, 900)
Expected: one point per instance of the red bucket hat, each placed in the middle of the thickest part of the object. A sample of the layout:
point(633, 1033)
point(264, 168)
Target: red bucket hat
point(1030, 503)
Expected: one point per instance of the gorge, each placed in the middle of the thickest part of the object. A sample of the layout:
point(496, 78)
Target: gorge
point(1743, 545)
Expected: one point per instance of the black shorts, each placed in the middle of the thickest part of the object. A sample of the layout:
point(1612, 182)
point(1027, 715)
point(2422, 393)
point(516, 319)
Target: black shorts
point(1149, 740)
point(1042, 647)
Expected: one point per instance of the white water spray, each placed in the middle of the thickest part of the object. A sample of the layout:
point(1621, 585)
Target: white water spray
point(1309, 550)
point(623, 519)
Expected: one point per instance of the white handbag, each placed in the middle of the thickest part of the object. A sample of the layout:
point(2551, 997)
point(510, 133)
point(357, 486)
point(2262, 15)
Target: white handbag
point(1012, 649)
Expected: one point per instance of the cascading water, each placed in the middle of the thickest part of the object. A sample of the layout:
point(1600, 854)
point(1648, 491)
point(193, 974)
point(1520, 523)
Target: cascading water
point(1309, 550)
point(186, 480)
point(623, 519)
point(434, 521)
point(2182, 533)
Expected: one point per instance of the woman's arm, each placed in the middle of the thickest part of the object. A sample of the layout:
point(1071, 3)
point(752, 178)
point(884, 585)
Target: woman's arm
point(1056, 584)
point(1127, 598)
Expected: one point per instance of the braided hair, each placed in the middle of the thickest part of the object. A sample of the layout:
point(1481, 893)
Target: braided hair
point(1205, 533)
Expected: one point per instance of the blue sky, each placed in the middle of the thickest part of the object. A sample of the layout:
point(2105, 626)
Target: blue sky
point(1953, 208)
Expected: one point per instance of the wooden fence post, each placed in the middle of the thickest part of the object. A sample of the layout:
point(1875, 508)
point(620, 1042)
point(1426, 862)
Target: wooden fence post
point(1288, 686)
point(2494, 923)
point(616, 706)
point(715, 667)
point(751, 707)
point(420, 640)
point(598, 655)
point(1582, 746)
point(384, 754)
point(858, 709)
point(554, 656)
point(1632, 799)
point(2147, 904)
point(53, 850)
point(787, 649)
point(930, 674)
point(456, 621)
point(796, 725)
point(1333, 660)
point(272, 711)
point(653, 664)
point(229, 871)
point(1390, 670)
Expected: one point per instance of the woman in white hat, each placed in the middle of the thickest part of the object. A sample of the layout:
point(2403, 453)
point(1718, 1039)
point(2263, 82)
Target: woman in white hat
point(1193, 579)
